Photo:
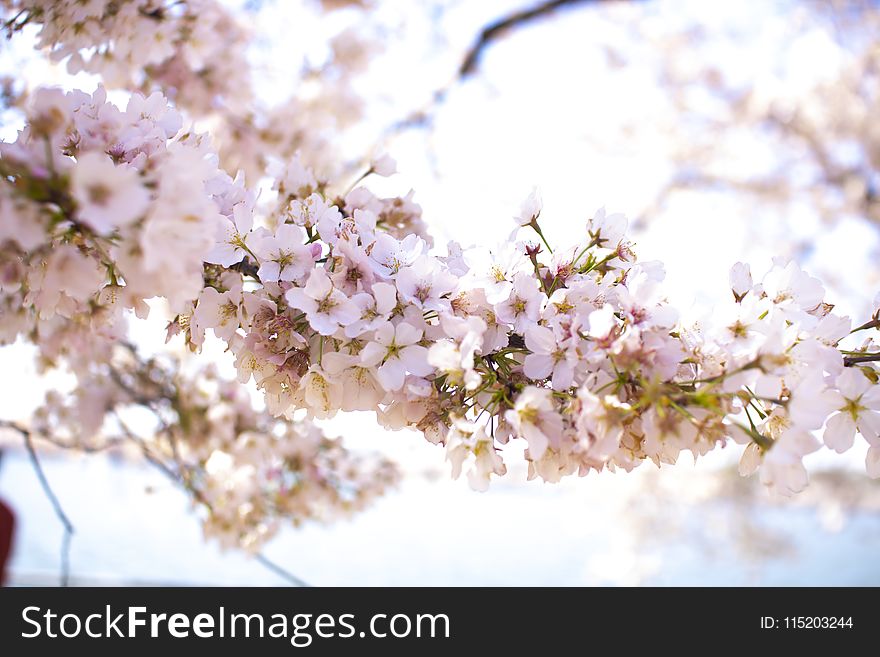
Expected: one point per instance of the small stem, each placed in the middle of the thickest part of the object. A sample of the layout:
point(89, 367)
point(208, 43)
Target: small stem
point(762, 441)
point(874, 323)
point(247, 250)
point(534, 224)
point(359, 179)
point(50, 494)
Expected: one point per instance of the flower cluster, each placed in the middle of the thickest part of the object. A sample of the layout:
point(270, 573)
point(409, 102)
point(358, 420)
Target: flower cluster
point(574, 351)
point(192, 49)
point(100, 210)
point(247, 472)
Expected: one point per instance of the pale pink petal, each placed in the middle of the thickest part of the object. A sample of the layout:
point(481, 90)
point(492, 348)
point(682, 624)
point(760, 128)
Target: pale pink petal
point(372, 354)
point(840, 432)
point(537, 366)
point(406, 334)
point(415, 358)
point(297, 298)
point(869, 426)
point(540, 340)
point(563, 376)
point(318, 285)
point(536, 439)
point(386, 297)
point(392, 374)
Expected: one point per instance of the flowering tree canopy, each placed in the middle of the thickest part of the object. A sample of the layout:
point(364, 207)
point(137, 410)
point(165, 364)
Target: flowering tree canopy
point(332, 298)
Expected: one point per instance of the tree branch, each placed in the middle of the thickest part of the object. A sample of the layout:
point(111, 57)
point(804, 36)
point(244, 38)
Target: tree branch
point(849, 361)
point(495, 30)
point(50, 494)
point(181, 478)
point(278, 570)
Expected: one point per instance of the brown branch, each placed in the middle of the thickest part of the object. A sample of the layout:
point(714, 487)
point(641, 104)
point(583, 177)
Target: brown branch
point(247, 268)
point(497, 29)
point(849, 361)
point(491, 33)
point(50, 494)
point(278, 570)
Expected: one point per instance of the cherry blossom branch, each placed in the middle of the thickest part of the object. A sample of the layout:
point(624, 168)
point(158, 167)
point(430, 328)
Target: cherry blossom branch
point(50, 495)
point(337, 302)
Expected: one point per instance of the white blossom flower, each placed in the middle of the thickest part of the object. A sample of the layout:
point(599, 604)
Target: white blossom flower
point(455, 357)
point(322, 395)
point(600, 423)
point(375, 308)
point(396, 351)
point(493, 270)
point(782, 469)
point(283, 256)
point(607, 229)
point(108, 196)
point(311, 211)
point(466, 440)
point(220, 311)
point(425, 283)
point(603, 325)
point(385, 166)
point(389, 255)
point(522, 308)
point(152, 111)
point(297, 180)
point(793, 292)
point(857, 401)
point(641, 298)
point(811, 402)
point(576, 352)
point(361, 390)
point(534, 418)
point(326, 308)
point(550, 358)
point(530, 209)
point(232, 237)
point(740, 280)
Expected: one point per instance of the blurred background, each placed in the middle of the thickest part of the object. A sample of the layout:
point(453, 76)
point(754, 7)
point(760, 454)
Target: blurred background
point(725, 131)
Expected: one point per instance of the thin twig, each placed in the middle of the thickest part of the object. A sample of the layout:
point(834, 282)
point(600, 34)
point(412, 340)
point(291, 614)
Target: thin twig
point(496, 29)
point(85, 449)
point(849, 361)
point(278, 570)
point(50, 494)
point(177, 476)
point(490, 34)
point(182, 480)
